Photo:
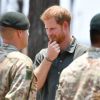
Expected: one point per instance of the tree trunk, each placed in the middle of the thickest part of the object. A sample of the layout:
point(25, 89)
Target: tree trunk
point(37, 37)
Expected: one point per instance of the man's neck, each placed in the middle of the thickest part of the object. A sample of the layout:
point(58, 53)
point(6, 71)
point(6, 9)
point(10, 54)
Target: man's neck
point(65, 44)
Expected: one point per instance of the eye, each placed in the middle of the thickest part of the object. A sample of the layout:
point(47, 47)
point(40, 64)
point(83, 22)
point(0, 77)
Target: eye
point(52, 29)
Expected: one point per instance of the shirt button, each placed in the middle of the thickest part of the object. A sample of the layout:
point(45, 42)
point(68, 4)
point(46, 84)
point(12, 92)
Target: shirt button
point(60, 61)
point(58, 73)
point(57, 85)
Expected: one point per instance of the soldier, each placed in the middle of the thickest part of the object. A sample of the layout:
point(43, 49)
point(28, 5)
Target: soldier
point(17, 80)
point(81, 79)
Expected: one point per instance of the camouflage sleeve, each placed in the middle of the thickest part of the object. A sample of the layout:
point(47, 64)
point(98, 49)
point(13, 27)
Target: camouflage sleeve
point(79, 82)
point(60, 93)
point(23, 85)
point(33, 89)
point(68, 83)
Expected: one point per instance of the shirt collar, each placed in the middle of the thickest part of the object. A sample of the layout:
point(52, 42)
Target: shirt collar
point(8, 47)
point(72, 46)
point(94, 52)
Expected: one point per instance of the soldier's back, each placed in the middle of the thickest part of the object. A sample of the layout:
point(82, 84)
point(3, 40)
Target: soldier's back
point(16, 76)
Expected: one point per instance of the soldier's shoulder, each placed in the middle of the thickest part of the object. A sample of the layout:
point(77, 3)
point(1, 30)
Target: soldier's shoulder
point(75, 66)
point(24, 58)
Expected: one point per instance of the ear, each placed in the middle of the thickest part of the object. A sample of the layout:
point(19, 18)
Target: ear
point(19, 33)
point(65, 25)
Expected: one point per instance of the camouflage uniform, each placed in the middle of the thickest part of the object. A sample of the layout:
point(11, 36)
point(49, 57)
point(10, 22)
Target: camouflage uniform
point(17, 82)
point(81, 80)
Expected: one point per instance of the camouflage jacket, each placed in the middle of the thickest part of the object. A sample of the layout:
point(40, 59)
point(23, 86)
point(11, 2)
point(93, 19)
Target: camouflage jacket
point(17, 81)
point(81, 79)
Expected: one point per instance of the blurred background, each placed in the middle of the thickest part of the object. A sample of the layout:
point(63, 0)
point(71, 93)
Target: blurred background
point(82, 11)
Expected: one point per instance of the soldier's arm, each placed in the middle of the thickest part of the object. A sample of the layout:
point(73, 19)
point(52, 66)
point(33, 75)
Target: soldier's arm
point(21, 82)
point(67, 84)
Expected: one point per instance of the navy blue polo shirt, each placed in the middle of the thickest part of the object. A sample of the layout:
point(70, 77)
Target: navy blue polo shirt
point(62, 61)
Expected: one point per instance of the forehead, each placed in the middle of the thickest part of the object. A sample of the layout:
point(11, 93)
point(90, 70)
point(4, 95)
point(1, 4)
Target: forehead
point(50, 22)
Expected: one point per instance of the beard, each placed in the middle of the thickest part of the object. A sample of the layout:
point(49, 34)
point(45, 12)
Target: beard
point(59, 39)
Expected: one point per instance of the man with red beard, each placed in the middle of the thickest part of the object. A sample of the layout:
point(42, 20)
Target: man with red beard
point(61, 51)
